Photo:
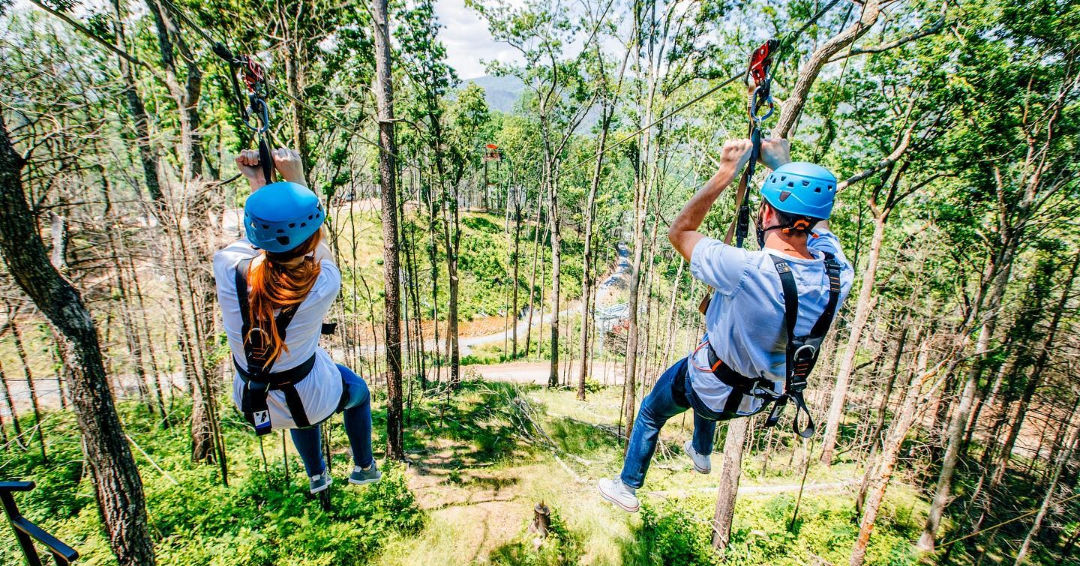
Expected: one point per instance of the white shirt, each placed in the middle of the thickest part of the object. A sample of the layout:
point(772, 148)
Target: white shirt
point(745, 320)
point(321, 390)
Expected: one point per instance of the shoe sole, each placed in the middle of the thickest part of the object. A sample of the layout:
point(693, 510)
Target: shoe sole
point(616, 503)
point(700, 470)
point(323, 488)
point(365, 482)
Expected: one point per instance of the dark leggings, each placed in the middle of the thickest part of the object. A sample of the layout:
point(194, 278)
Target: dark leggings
point(357, 416)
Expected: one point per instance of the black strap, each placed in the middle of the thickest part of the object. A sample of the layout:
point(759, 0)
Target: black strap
point(258, 378)
point(801, 353)
point(266, 161)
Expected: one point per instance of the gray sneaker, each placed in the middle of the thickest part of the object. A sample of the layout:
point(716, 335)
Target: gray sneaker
point(319, 482)
point(363, 476)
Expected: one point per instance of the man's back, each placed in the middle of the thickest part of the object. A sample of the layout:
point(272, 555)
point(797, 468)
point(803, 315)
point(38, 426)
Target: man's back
point(745, 320)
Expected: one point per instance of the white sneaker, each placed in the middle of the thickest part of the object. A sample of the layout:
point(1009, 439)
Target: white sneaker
point(702, 464)
point(616, 492)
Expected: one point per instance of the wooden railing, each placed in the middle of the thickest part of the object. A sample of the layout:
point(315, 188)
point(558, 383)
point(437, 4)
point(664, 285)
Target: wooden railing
point(26, 532)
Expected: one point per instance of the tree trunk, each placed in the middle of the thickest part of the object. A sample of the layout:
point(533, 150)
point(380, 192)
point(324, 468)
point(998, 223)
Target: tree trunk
point(886, 463)
point(1062, 459)
point(556, 272)
point(1035, 379)
point(724, 515)
point(395, 434)
point(117, 486)
point(137, 110)
point(16, 334)
point(862, 315)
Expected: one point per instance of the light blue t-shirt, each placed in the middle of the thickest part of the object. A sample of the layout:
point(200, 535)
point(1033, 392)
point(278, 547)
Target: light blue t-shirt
point(745, 320)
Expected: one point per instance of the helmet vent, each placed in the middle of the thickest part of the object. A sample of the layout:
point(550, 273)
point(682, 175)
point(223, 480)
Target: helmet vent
point(302, 224)
point(784, 195)
point(283, 240)
point(830, 187)
point(265, 227)
point(292, 225)
point(310, 216)
point(806, 183)
point(280, 231)
point(791, 185)
point(783, 178)
point(817, 189)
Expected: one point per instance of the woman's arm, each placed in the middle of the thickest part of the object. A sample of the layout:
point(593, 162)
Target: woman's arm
point(248, 163)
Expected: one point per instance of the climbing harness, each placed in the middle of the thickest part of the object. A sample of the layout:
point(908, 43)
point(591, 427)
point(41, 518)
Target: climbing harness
point(258, 378)
point(801, 354)
point(802, 351)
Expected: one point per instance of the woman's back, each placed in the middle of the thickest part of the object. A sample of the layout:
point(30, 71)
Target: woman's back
point(321, 389)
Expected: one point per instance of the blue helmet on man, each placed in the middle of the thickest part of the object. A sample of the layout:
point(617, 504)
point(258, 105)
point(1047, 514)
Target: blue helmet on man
point(801, 189)
point(281, 216)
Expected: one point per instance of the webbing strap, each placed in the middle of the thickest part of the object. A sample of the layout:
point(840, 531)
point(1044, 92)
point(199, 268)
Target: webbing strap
point(266, 161)
point(801, 353)
point(258, 377)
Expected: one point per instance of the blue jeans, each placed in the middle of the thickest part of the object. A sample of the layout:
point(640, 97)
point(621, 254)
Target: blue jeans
point(656, 409)
point(308, 441)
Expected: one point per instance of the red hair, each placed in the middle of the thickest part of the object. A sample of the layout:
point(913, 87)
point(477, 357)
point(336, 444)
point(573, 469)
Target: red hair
point(276, 286)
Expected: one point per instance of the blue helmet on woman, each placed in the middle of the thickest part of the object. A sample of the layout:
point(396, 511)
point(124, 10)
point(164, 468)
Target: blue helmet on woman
point(801, 189)
point(281, 216)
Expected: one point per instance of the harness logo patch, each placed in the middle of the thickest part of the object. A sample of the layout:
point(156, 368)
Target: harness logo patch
point(261, 418)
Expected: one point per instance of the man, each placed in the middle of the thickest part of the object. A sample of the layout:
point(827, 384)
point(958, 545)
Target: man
point(741, 364)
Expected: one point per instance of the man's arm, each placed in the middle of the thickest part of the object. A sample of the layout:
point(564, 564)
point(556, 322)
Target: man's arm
point(683, 233)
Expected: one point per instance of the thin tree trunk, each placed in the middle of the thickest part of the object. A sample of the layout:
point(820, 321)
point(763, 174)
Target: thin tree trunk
point(395, 437)
point(724, 515)
point(1062, 459)
point(862, 315)
point(957, 424)
point(16, 334)
point(556, 273)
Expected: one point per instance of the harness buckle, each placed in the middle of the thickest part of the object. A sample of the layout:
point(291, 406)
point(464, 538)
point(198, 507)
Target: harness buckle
point(805, 352)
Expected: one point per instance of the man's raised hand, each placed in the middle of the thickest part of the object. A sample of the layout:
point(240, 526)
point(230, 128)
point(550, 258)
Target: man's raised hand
point(734, 155)
point(775, 152)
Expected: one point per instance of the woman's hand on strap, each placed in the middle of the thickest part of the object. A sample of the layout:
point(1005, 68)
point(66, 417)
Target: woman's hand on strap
point(289, 164)
point(248, 162)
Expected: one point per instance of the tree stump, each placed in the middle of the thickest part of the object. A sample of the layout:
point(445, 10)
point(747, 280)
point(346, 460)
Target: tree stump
point(541, 520)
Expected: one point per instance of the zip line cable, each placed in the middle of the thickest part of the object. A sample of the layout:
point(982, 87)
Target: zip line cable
point(783, 43)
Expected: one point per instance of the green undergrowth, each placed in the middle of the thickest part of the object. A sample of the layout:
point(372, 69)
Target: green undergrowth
point(262, 518)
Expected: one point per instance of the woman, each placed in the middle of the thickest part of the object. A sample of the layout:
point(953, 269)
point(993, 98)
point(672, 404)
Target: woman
point(275, 287)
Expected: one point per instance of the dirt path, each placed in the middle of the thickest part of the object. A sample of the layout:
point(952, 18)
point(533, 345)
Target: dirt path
point(607, 373)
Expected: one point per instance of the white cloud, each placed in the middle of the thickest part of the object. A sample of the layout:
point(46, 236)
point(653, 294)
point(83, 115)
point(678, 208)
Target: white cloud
point(468, 43)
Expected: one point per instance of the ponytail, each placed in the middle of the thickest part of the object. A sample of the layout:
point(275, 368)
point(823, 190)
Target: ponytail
point(275, 286)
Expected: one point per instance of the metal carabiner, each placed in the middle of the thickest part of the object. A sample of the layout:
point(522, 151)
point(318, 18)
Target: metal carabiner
point(258, 107)
point(757, 101)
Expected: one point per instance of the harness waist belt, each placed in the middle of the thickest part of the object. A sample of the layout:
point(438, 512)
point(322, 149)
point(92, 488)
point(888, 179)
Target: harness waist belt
point(741, 387)
point(278, 379)
point(257, 387)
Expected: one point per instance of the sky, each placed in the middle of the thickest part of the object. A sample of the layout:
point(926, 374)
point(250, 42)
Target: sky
point(468, 44)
